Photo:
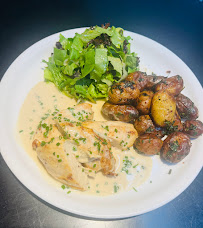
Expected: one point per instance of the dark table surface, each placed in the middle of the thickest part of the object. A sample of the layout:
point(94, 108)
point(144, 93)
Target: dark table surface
point(178, 25)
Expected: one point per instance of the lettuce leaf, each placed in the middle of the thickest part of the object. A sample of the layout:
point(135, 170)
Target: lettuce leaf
point(89, 62)
point(85, 66)
point(101, 61)
point(66, 43)
point(89, 34)
point(117, 64)
point(59, 56)
point(132, 62)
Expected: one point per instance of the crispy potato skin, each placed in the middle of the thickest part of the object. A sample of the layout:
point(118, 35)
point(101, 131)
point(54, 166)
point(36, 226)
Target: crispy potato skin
point(175, 147)
point(163, 108)
point(144, 124)
point(125, 113)
point(148, 144)
point(144, 100)
point(139, 78)
point(186, 108)
point(173, 85)
point(152, 80)
point(125, 92)
point(193, 128)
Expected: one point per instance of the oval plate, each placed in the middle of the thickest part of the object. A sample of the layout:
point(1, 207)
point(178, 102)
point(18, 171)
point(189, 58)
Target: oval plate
point(27, 70)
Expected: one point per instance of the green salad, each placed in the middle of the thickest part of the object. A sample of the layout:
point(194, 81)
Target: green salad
point(85, 66)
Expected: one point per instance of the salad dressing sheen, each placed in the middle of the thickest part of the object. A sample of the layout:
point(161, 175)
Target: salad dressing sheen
point(133, 169)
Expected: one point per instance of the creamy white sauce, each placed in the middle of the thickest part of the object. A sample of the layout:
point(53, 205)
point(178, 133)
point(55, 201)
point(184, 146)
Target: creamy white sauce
point(133, 169)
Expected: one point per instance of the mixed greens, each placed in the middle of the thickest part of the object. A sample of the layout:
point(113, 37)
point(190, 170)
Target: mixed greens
point(85, 66)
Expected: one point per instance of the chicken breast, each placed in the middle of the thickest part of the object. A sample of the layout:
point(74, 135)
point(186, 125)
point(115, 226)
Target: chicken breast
point(58, 159)
point(78, 113)
point(70, 152)
point(90, 148)
point(120, 134)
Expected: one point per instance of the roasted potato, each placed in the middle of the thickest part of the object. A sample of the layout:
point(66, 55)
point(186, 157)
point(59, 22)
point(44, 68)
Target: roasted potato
point(144, 124)
point(175, 147)
point(173, 85)
point(186, 108)
point(139, 78)
point(143, 102)
point(148, 144)
point(125, 92)
point(152, 80)
point(163, 108)
point(193, 128)
point(125, 113)
point(176, 125)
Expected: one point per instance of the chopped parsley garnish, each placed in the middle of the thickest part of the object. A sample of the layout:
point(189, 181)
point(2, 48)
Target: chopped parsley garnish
point(170, 171)
point(135, 166)
point(74, 149)
point(98, 145)
point(63, 186)
point(76, 141)
point(174, 146)
point(135, 189)
point(106, 127)
point(83, 139)
point(43, 143)
point(126, 165)
point(116, 188)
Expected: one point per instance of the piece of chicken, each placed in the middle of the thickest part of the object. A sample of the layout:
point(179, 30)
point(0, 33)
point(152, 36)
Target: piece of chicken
point(52, 149)
point(78, 113)
point(120, 134)
point(58, 159)
point(90, 148)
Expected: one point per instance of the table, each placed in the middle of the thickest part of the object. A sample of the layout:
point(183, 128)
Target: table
point(175, 24)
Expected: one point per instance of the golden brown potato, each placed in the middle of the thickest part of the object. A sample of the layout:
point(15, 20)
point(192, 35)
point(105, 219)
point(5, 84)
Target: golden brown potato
point(144, 102)
point(163, 108)
point(125, 92)
point(186, 108)
point(173, 85)
point(193, 128)
point(144, 124)
point(175, 147)
point(125, 113)
point(139, 78)
point(148, 144)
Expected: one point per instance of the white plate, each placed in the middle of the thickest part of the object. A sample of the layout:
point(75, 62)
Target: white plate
point(26, 71)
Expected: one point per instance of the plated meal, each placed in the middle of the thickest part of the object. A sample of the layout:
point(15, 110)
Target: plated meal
point(38, 94)
point(97, 119)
